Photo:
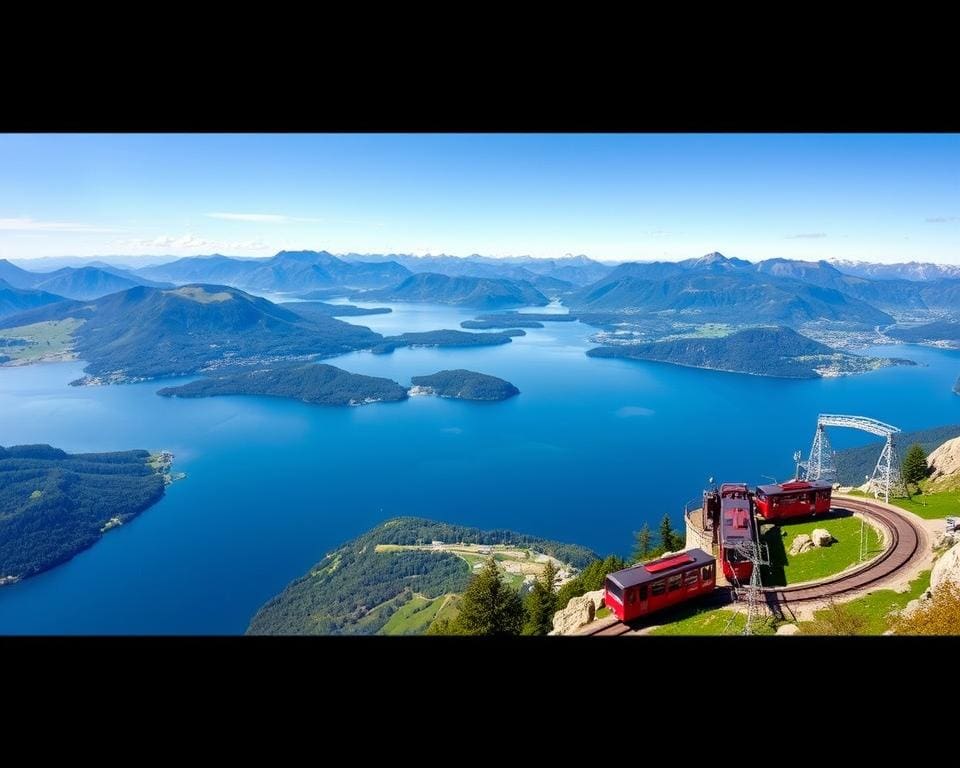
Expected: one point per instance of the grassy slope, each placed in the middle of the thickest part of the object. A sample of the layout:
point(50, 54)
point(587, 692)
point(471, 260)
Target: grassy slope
point(413, 617)
point(820, 562)
point(52, 337)
point(929, 506)
point(875, 607)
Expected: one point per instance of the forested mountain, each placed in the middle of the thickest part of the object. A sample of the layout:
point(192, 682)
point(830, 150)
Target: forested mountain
point(151, 332)
point(565, 272)
point(85, 283)
point(945, 332)
point(288, 271)
point(16, 300)
point(357, 587)
point(726, 296)
point(54, 504)
point(780, 352)
point(854, 464)
point(479, 292)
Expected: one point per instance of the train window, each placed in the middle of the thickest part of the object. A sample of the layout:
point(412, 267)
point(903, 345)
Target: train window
point(631, 596)
point(643, 592)
point(658, 587)
point(673, 583)
point(707, 572)
point(614, 590)
point(690, 578)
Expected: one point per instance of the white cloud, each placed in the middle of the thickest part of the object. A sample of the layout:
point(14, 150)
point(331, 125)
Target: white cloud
point(942, 219)
point(807, 236)
point(166, 241)
point(260, 218)
point(26, 224)
point(191, 242)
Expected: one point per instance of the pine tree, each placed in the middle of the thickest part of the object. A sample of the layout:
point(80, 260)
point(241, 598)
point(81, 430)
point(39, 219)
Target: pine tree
point(541, 603)
point(643, 543)
point(490, 606)
point(667, 539)
point(914, 464)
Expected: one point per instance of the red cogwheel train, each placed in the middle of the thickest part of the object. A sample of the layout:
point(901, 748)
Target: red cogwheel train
point(730, 511)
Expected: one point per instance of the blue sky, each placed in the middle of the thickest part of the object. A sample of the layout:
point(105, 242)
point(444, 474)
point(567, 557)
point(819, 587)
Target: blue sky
point(614, 197)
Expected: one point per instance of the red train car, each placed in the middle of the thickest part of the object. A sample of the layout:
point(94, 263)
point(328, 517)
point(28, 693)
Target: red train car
point(648, 587)
point(798, 498)
point(736, 526)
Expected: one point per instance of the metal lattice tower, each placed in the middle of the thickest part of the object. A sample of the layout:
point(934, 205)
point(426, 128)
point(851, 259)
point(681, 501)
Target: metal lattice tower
point(886, 475)
point(821, 464)
point(752, 591)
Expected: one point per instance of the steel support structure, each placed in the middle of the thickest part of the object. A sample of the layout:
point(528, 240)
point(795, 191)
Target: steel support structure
point(886, 475)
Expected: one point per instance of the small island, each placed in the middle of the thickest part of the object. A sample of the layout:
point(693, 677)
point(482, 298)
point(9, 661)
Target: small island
point(317, 384)
point(463, 385)
point(443, 338)
point(54, 504)
point(780, 352)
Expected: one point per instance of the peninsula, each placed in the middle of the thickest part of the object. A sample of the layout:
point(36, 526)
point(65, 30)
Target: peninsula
point(55, 504)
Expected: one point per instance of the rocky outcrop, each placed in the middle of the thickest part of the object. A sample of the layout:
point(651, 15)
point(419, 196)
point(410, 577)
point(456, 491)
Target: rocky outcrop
point(579, 611)
point(947, 568)
point(788, 629)
point(944, 462)
point(803, 543)
point(821, 537)
point(597, 598)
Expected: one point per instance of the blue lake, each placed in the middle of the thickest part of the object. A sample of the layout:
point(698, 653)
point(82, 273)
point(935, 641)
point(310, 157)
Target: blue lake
point(586, 453)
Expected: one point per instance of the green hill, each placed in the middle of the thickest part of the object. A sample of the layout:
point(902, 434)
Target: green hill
point(778, 352)
point(359, 586)
point(315, 383)
point(54, 504)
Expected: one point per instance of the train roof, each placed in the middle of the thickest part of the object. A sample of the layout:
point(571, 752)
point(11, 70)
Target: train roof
point(733, 488)
point(735, 519)
point(644, 573)
point(793, 486)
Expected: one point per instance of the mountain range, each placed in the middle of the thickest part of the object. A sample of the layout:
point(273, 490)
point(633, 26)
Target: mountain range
point(83, 283)
point(711, 288)
point(16, 300)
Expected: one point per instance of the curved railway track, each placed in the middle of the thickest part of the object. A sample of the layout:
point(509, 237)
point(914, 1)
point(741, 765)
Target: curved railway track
point(903, 538)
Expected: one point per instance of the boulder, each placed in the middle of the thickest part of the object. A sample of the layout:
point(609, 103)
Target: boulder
point(579, 611)
point(945, 460)
point(788, 629)
point(597, 598)
point(821, 537)
point(947, 568)
point(801, 543)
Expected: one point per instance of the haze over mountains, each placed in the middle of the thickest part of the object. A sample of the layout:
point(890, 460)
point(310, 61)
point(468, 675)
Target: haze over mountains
point(131, 327)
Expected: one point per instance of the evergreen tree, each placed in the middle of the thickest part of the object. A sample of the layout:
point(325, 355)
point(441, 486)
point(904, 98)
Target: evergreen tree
point(668, 537)
point(541, 603)
point(489, 606)
point(643, 543)
point(915, 464)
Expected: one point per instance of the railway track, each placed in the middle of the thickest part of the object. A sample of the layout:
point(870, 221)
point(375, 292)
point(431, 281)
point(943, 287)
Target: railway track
point(903, 537)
